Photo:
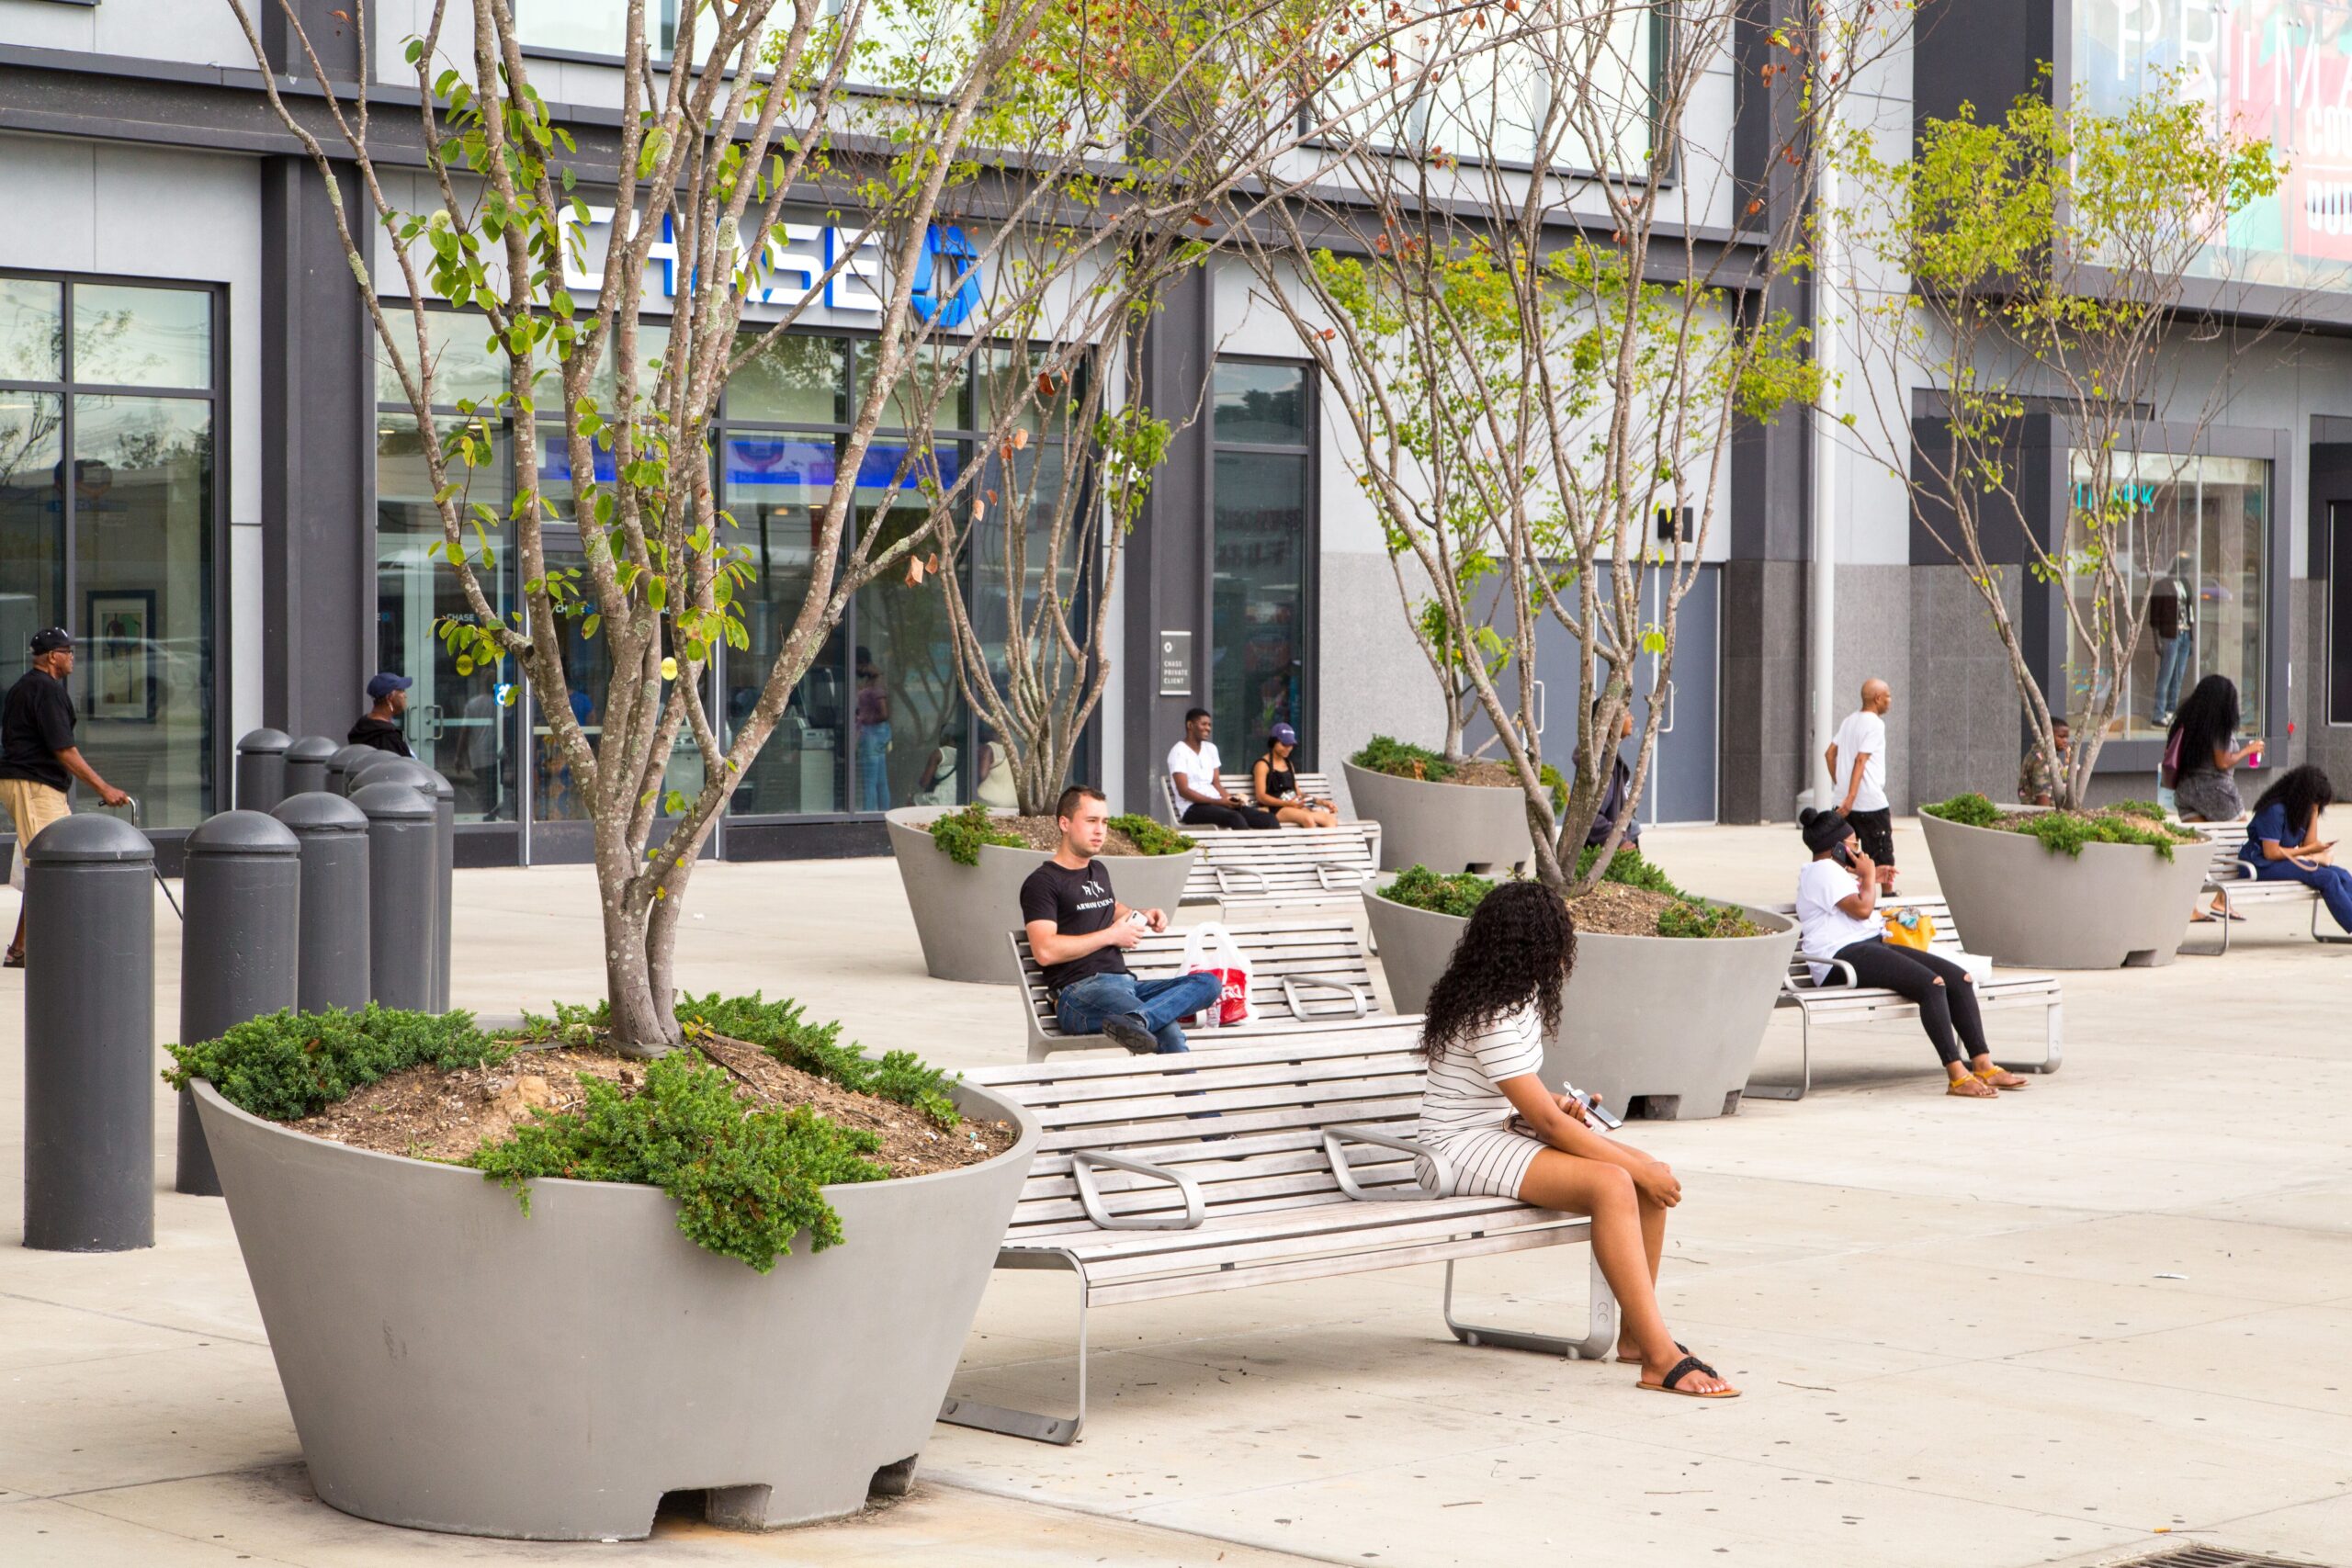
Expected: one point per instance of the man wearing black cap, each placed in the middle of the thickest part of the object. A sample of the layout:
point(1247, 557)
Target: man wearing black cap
point(39, 761)
point(380, 726)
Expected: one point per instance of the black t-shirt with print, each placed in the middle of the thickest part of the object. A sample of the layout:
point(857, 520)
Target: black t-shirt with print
point(1078, 903)
point(36, 724)
point(383, 734)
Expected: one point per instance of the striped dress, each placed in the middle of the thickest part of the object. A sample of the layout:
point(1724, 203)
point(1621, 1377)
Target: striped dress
point(1466, 1117)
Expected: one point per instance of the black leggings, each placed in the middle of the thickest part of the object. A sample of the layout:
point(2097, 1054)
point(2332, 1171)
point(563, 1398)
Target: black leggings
point(1914, 974)
point(1199, 814)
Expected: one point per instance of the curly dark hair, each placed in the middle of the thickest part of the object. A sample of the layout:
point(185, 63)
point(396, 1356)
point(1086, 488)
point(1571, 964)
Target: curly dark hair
point(1520, 946)
point(2305, 792)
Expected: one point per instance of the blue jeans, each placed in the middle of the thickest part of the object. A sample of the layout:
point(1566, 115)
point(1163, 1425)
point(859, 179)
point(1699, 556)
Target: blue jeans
point(873, 767)
point(1156, 1004)
point(2335, 883)
point(2172, 667)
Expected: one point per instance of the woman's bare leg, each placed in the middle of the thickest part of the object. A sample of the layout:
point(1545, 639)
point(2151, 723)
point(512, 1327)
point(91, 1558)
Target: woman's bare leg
point(1620, 1246)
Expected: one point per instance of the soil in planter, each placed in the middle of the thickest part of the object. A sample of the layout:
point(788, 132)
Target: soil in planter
point(1615, 910)
point(1046, 833)
point(426, 1113)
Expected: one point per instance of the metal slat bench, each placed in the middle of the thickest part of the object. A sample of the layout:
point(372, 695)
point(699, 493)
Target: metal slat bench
point(2229, 876)
point(1297, 867)
point(1849, 1003)
point(1308, 974)
point(1306, 1172)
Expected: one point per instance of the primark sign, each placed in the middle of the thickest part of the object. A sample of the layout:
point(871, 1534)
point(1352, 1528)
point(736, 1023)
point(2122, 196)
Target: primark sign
point(798, 258)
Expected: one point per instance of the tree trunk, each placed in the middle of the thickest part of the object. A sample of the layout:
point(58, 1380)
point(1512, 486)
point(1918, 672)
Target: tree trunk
point(638, 975)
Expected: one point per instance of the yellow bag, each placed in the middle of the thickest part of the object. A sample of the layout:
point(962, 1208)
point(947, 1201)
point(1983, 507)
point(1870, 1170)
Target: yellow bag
point(1909, 927)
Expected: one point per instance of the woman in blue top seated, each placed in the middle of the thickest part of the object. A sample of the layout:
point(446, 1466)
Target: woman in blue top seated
point(2283, 842)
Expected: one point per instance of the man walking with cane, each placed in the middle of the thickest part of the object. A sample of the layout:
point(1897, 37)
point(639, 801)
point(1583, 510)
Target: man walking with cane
point(39, 761)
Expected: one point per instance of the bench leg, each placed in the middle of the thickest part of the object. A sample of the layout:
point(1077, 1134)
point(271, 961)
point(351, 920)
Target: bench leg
point(2319, 907)
point(2053, 1045)
point(1600, 1335)
point(1786, 1090)
point(1058, 1429)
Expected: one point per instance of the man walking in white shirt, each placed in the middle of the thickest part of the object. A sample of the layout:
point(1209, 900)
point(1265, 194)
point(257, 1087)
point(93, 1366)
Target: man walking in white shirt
point(1857, 759)
point(1201, 795)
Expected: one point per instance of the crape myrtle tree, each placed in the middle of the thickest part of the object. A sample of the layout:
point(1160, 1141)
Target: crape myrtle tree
point(2045, 260)
point(749, 121)
point(1044, 529)
point(1534, 367)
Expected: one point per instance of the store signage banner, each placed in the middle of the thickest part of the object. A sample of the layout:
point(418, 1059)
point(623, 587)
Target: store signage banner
point(2275, 69)
point(946, 284)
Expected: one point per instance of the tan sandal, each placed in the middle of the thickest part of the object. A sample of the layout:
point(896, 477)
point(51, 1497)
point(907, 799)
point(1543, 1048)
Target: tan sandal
point(1971, 1088)
point(2000, 1078)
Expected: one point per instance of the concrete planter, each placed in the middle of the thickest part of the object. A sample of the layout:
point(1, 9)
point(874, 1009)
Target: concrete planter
point(1674, 1022)
point(2016, 902)
point(453, 1364)
point(1446, 826)
point(963, 912)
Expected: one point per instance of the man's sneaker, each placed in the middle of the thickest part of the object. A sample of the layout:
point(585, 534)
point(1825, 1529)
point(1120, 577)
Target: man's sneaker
point(1124, 1031)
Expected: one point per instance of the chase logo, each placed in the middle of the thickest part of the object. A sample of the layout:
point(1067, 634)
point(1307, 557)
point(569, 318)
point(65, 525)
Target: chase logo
point(948, 277)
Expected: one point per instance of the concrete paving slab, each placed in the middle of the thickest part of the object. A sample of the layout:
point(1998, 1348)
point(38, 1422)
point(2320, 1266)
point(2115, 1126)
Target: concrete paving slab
point(150, 1416)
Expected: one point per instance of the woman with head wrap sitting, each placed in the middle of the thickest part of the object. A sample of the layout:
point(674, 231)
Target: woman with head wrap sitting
point(1838, 912)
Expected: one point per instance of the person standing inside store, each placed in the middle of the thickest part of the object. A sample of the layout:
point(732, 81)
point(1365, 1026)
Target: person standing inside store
point(39, 761)
point(380, 726)
point(1201, 795)
point(1861, 746)
point(872, 714)
point(2172, 617)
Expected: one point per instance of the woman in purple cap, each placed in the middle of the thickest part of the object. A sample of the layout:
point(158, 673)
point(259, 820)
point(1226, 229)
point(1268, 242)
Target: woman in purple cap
point(1274, 785)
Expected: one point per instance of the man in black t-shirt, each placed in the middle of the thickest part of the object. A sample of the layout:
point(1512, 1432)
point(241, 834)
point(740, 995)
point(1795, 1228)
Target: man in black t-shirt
point(39, 761)
point(380, 726)
point(1078, 928)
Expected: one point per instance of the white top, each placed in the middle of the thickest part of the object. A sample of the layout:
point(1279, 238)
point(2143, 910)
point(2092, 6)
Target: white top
point(1825, 928)
point(1862, 733)
point(1462, 1097)
point(1200, 766)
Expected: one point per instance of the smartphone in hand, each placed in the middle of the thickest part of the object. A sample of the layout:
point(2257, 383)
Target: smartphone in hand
point(1601, 1116)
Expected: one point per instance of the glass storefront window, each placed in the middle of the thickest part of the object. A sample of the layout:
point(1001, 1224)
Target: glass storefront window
point(33, 534)
point(459, 724)
point(593, 27)
point(799, 381)
point(107, 519)
point(464, 367)
point(771, 485)
point(2200, 530)
point(907, 710)
point(33, 330)
point(1260, 617)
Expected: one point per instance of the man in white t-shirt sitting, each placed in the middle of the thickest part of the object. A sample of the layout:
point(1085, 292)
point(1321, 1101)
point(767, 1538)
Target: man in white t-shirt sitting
point(1857, 759)
point(1201, 795)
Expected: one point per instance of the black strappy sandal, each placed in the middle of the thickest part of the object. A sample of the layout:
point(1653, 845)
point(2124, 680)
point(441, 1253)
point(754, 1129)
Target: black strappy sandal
point(1683, 1369)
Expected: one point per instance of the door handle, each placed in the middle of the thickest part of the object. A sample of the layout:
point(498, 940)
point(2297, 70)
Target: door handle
point(1539, 708)
point(1667, 728)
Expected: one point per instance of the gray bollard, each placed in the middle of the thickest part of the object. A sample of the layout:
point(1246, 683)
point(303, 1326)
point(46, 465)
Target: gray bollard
point(261, 769)
point(401, 889)
point(334, 834)
point(306, 764)
point(240, 941)
point(346, 762)
point(90, 1037)
point(435, 787)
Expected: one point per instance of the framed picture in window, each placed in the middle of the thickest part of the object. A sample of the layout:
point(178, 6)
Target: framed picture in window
point(119, 633)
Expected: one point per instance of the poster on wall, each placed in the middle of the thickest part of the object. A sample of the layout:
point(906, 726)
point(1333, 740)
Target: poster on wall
point(2279, 70)
point(121, 638)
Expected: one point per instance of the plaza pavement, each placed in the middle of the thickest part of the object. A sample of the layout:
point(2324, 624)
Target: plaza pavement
point(2105, 1315)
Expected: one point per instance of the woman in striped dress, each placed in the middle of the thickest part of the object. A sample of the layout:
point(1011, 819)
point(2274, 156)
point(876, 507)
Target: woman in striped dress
point(1487, 1111)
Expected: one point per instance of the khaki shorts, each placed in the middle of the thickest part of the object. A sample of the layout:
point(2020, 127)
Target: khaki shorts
point(31, 805)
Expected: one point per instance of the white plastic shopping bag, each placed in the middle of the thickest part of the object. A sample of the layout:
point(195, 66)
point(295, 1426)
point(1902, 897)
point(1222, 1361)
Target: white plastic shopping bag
point(1209, 949)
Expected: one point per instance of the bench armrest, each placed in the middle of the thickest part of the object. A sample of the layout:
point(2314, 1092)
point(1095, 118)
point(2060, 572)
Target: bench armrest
point(1292, 984)
point(1222, 872)
point(1081, 1168)
point(1334, 1137)
point(1851, 978)
point(1350, 875)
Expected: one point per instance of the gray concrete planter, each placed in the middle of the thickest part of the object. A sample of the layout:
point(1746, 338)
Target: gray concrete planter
point(1446, 826)
point(1674, 1022)
point(963, 912)
point(2017, 903)
point(455, 1365)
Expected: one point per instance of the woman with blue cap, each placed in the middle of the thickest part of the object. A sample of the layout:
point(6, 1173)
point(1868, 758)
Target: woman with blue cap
point(1274, 785)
